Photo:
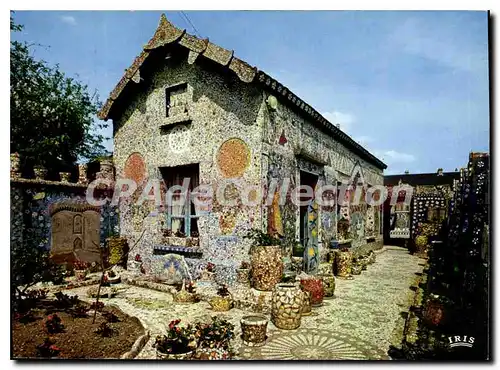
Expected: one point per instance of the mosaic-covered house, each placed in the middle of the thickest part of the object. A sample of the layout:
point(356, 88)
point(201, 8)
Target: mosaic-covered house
point(189, 108)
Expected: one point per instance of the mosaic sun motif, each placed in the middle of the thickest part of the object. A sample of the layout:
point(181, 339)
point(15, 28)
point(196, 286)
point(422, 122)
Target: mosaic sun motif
point(233, 158)
point(313, 344)
point(179, 139)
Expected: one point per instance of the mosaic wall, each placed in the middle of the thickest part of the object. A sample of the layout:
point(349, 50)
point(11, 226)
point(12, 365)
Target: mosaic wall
point(227, 128)
point(30, 204)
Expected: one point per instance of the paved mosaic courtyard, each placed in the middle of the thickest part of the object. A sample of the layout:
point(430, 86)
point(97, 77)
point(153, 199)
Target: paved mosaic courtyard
point(358, 323)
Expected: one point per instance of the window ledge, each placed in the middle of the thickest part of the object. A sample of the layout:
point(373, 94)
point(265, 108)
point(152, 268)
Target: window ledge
point(175, 120)
point(165, 249)
point(186, 242)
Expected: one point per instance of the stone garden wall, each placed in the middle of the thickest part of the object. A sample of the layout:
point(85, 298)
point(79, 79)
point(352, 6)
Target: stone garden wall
point(37, 204)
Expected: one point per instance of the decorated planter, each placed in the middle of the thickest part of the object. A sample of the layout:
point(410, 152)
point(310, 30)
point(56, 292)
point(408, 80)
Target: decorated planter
point(286, 306)
point(314, 285)
point(254, 330)
point(174, 356)
point(356, 268)
point(15, 165)
point(243, 276)
point(118, 249)
point(212, 354)
point(207, 276)
point(65, 176)
point(80, 275)
point(221, 304)
point(343, 263)
point(267, 267)
point(306, 306)
point(328, 285)
point(40, 172)
point(183, 296)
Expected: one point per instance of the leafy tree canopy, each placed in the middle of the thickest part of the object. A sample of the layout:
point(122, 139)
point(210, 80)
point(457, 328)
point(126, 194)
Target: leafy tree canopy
point(52, 115)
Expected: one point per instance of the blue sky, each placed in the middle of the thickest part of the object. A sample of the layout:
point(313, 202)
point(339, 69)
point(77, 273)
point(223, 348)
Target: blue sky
point(412, 87)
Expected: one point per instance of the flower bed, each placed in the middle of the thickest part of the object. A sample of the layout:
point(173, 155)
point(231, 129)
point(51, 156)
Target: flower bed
point(68, 332)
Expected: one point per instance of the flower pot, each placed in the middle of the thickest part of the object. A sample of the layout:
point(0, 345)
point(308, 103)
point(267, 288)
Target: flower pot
point(40, 172)
point(174, 356)
point(306, 306)
point(80, 275)
point(434, 312)
point(314, 285)
point(221, 304)
point(183, 296)
point(267, 267)
point(254, 330)
point(287, 305)
point(243, 276)
point(343, 263)
point(328, 285)
point(65, 176)
point(82, 174)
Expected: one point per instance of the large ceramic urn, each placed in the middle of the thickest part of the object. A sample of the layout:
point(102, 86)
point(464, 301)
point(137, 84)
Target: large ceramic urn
point(328, 285)
point(286, 307)
point(267, 267)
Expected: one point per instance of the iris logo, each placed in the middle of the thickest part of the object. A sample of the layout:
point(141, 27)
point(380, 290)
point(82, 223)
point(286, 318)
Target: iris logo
point(458, 341)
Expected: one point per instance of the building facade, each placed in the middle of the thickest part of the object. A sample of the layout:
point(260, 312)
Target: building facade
point(188, 108)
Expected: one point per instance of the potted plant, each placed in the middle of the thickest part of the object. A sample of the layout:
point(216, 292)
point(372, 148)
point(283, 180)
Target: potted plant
point(244, 273)
point(214, 339)
point(137, 263)
point(179, 343)
point(266, 261)
point(40, 172)
point(81, 269)
point(223, 301)
point(187, 293)
point(287, 304)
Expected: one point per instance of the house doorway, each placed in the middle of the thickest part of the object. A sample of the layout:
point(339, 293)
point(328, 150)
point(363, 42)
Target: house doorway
point(306, 179)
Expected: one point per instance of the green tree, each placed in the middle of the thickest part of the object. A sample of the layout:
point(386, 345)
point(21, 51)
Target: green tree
point(53, 117)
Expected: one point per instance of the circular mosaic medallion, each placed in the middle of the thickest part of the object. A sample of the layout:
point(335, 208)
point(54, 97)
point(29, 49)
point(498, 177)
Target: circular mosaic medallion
point(135, 168)
point(179, 139)
point(233, 158)
point(313, 344)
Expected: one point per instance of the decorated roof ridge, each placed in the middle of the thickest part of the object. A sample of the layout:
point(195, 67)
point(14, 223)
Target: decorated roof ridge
point(167, 33)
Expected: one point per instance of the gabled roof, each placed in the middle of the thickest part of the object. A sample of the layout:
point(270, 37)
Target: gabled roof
point(167, 33)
